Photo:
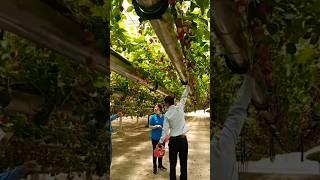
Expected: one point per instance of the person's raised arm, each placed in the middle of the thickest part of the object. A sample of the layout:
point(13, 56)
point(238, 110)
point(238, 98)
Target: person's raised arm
point(236, 117)
point(223, 158)
point(184, 96)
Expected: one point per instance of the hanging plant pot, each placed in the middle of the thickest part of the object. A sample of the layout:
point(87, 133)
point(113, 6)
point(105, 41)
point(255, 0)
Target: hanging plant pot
point(148, 10)
point(229, 31)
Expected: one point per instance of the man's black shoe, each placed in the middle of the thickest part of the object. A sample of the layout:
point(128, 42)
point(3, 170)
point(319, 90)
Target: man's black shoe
point(162, 168)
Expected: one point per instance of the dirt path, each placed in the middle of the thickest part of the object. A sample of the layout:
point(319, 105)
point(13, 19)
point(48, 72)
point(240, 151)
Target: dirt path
point(132, 151)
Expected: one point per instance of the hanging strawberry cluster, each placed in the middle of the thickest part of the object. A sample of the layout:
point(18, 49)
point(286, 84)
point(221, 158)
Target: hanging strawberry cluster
point(264, 47)
point(259, 15)
point(185, 36)
point(184, 31)
point(241, 6)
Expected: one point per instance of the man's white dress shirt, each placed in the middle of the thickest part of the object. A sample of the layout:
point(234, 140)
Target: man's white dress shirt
point(223, 148)
point(174, 118)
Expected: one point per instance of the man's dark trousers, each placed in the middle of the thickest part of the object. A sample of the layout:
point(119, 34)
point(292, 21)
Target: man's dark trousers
point(179, 145)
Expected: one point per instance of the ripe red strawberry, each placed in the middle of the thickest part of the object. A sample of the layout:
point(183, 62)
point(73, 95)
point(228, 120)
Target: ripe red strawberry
point(180, 33)
point(192, 65)
point(172, 2)
point(180, 22)
point(180, 38)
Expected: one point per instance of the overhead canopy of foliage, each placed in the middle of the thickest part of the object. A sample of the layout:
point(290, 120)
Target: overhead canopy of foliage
point(139, 44)
point(292, 29)
point(67, 133)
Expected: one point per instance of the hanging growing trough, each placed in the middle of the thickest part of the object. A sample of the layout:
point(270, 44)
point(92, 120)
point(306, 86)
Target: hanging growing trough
point(228, 29)
point(163, 25)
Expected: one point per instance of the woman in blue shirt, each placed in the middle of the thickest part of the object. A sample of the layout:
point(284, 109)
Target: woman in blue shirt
point(156, 123)
point(112, 118)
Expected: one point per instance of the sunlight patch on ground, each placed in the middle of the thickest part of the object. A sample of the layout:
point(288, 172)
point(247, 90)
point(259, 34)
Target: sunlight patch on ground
point(198, 113)
point(118, 140)
point(118, 160)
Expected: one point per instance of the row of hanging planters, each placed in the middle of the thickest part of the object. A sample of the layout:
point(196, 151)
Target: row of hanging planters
point(282, 37)
point(141, 45)
point(132, 99)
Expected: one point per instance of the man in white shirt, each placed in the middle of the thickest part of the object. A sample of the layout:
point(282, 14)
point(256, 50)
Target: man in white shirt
point(175, 122)
point(223, 146)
